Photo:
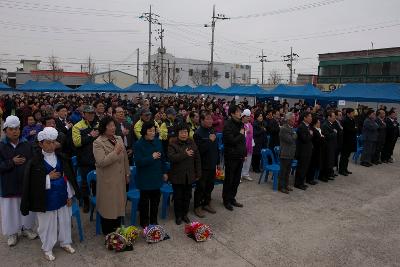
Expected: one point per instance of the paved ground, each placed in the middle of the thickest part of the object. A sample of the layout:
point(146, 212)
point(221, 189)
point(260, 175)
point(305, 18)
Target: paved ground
point(353, 221)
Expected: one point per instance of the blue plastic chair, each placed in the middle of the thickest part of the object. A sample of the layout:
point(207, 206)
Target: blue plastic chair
point(277, 152)
point(267, 156)
point(77, 214)
point(360, 148)
point(166, 191)
point(220, 142)
point(78, 174)
point(133, 195)
point(91, 177)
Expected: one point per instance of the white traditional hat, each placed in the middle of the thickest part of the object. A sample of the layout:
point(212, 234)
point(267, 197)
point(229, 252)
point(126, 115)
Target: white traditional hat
point(12, 122)
point(246, 112)
point(48, 133)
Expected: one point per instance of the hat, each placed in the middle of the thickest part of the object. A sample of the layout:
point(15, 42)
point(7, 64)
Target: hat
point(145, 111)
point(12, 122)
point(246, 113)
point(88, 109)
point(170, 111)
point(48, 133)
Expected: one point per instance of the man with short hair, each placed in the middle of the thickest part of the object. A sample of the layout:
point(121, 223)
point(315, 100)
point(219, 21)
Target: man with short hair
point(330, 133)
point(349, 141)
point(392, 133)
point(145, 115)
point(380, 120)
point(124, 129)
point(370, 138)
point(234, 154)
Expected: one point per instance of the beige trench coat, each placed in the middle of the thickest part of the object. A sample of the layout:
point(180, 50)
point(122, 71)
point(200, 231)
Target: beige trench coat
point(111, 172)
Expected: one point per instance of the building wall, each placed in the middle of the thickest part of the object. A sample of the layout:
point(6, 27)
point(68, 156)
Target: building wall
point(70, 81)
point(188, 70)
point(119, 78)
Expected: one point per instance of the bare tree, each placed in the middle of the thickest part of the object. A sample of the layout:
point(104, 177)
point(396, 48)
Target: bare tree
point(175, 76)
point(107, 77)
point(56, 72)
point(274, 77)
point(196, 77)
point(91, 68)
point(156, 73)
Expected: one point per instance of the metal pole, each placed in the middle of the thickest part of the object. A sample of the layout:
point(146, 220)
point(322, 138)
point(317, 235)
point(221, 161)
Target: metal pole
point(291, 65)
point(162, 58)
point(148, 56)
point(210, 75)
point(168, 72)
point(262, 66)
point(137, 66)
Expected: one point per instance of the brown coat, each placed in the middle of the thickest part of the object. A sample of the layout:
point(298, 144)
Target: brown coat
point(111, 171)
point(183, 166)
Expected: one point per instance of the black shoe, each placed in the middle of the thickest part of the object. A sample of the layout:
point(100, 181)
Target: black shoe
point(236, 204)
point(349, 172)
point(301, 187)
point(178, 221)
point(186, 219)
point(228, 206)
point(334, 175)
point(86, 205)
point(365, 164)
point(331, 178)
point(343, 173)
point(312, 182)
point(325, 180)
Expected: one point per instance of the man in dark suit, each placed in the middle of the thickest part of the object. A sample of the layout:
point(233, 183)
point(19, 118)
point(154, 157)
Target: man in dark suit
point(337, 124)
point(125, 130)
point(370, 138)
point(329, 131)
point(392, 133)
point(62, 124)
point(349, 141)
point(380, 120)
point(303, 150)
point(272, 127)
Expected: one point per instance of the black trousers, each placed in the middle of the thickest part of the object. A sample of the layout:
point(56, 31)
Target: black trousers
point(388, 148)
point(378, 151)
point(368, 152)
point(204, 188)
point(109, 225)
point(255, 162)
point(344, 160)
point(283, 180)
point(85, 188)
point(182, 195)
point(148, 206)
point(302, 167)
point(233, 173)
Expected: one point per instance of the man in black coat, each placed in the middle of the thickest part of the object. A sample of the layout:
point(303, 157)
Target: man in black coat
point(380, 120)
point(303, 150)
point(370, 138)
point(273, 128)
point(125, 130)
point(337, 124)
point(349, 141)
point(207, 145)
point(234, 155)
point(329, 131)
point(392, 133)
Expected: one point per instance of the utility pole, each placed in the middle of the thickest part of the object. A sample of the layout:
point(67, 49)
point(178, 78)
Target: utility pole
point(168, 73)
point(162, 52)
point(262, 60)
point(152, 18)
point(214, 18)
point(137, 66)
point(290, 58)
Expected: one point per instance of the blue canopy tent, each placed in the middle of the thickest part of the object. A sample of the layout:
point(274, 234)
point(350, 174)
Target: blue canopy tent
point(208, 90)
point(307, 91)
point(145, 88)
point(356, 92)
point(32, 86)
point(240, 90)
point(100, 87)
point(5, 87)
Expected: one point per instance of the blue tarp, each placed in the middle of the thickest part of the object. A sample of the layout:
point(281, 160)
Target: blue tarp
point(208, 90)
point(99, 87)
point(5, 87)
point(32, 86)
point(145, 88)
point(296, 91)
point(240, 90)
point(181, 89)
point(356, 92)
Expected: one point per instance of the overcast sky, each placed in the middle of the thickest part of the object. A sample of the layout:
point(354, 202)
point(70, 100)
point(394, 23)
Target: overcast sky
point(111, 31)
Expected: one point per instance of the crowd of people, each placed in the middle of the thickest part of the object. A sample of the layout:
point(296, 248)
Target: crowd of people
point(170, 139)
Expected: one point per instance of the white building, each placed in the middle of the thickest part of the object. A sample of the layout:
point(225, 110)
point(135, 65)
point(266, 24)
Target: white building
point(119, 78)
point(194, 72)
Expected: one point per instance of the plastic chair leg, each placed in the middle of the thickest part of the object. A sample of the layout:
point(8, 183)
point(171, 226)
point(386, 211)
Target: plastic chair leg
point(165, 202)
point(134, 208)
point(261, 176)
point(266, 176)
point(98, 226)
point(91, 212)
point(275, 181)
point(79, 223)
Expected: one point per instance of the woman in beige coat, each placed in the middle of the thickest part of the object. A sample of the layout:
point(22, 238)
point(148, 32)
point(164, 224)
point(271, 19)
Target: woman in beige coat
point(112, 169)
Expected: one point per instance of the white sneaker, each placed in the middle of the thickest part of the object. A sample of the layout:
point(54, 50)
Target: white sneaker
point(12, 240)
point(29, 234)
point(247, 178)
point(49, 256)
point(68, 249)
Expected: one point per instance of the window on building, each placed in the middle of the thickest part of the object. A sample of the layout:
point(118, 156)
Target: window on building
point(353, 69)
point(146, 72)
point(247, 67)
point(395, 68)
point(203, 73)
point(375, 69)
point(226, 75)
point(244, 76)
point(190, 72)
point(177, 70)
point(386, 68)
point(329, 71)
point(215, 73)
